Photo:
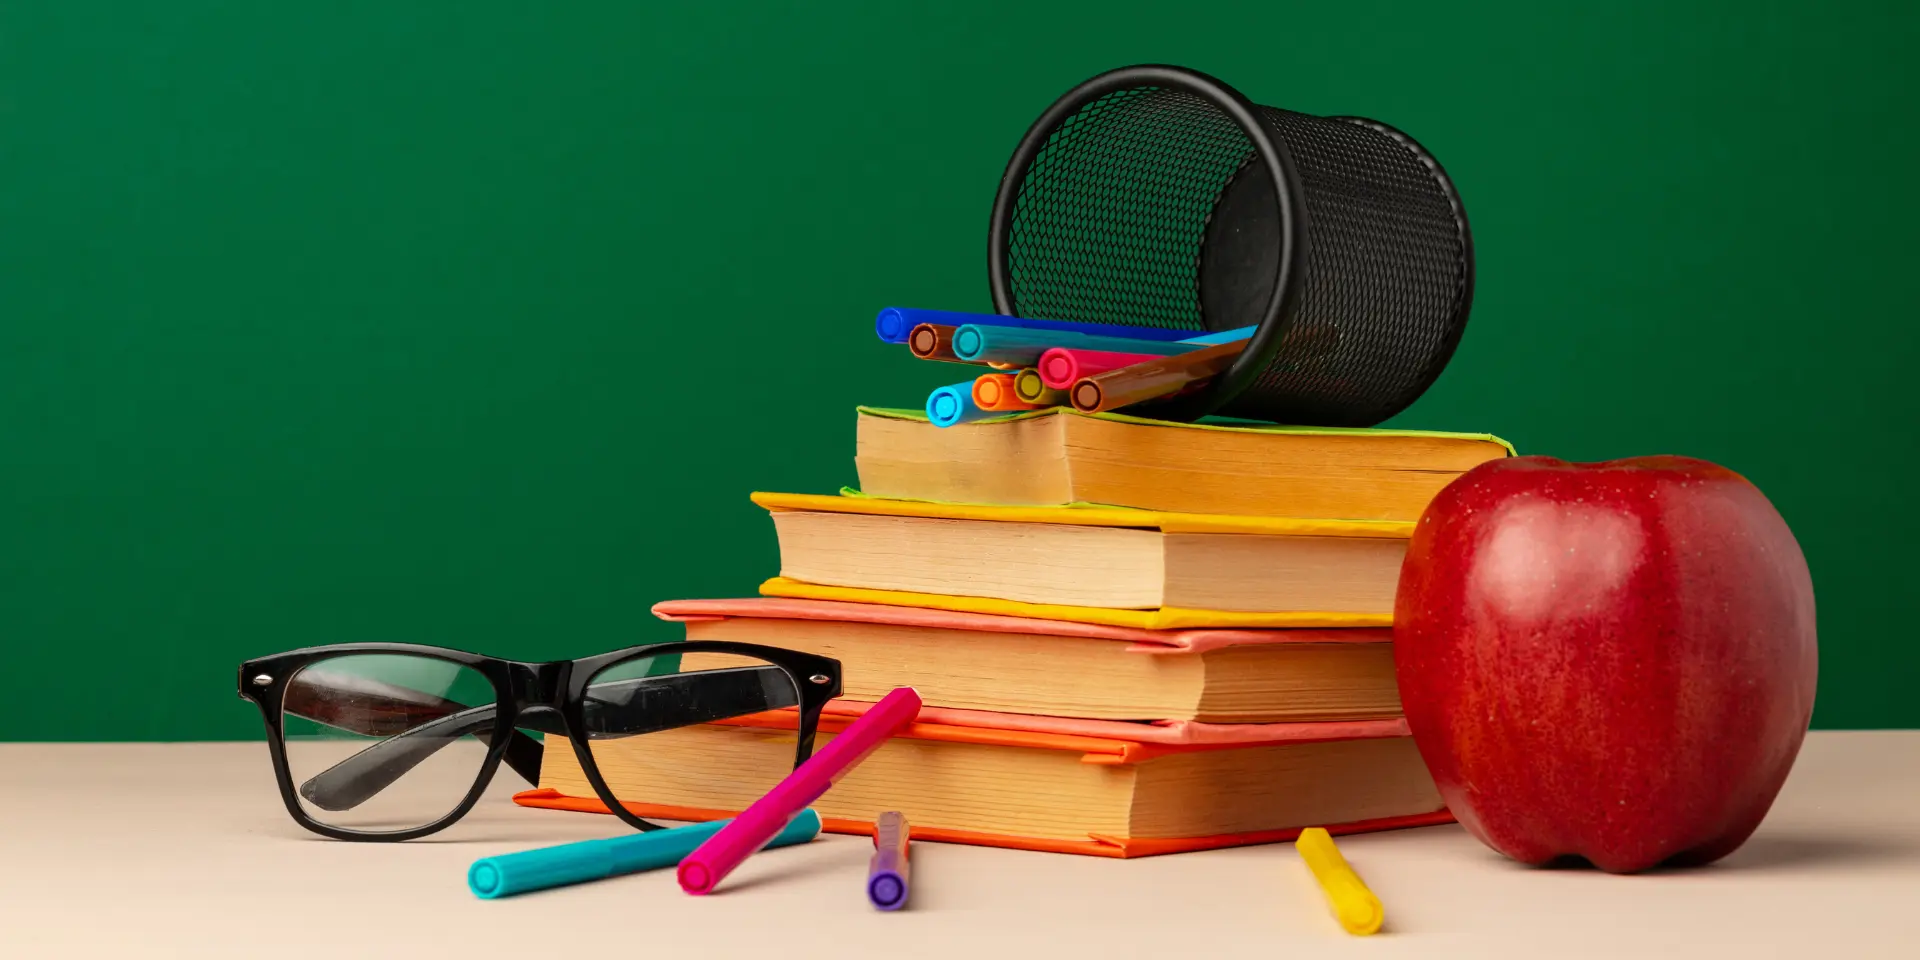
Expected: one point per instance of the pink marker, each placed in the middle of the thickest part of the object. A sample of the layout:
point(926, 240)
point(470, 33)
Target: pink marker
point(708, 864)
point(1061, 367)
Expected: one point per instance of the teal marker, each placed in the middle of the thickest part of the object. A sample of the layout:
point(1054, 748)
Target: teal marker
point(953, 404)
point(984, 344)
point(894, 323)
point(587, 860)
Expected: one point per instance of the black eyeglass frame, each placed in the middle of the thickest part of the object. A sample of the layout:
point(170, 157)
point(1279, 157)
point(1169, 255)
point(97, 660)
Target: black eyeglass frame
point(523, 691)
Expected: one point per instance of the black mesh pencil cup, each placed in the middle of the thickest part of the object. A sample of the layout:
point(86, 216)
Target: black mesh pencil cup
point(1146, 197)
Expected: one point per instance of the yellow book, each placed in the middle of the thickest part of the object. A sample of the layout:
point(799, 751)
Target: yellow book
point(1116, 566)
point(1215, 468)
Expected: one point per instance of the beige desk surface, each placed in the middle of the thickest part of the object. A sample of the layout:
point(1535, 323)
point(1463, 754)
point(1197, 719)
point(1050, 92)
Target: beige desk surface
point(183, 850)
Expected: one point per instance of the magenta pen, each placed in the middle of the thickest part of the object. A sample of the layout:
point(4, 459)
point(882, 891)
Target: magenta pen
point(708, 864)
point(887, 871)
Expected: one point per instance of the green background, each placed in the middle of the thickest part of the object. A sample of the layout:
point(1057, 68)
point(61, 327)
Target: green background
point(385, 320)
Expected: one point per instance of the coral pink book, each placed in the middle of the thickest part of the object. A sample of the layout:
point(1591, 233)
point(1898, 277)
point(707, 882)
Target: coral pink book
point(1092, 787)
point(1012, 664)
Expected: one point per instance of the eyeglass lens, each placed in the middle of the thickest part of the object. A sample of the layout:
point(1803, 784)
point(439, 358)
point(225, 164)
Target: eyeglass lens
point(337, 710)
point(652, 730)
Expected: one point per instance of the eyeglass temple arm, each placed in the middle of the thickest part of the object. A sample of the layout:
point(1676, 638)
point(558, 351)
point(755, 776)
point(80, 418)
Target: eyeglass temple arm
point(355, 780)
point(650, 704)
point(376, 709)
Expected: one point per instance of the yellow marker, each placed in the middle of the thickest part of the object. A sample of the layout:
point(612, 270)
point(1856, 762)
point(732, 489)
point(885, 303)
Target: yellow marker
point(1028, 386)
point(1356, 907)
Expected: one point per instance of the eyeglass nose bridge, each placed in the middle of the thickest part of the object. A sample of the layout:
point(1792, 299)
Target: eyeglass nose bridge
point(537, 687)
point(541, 718)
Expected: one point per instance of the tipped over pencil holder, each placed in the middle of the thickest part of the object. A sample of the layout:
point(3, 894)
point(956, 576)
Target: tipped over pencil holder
point(1146, 197)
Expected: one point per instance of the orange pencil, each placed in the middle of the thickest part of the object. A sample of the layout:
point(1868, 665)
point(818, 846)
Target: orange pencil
point(995, 391)
point(1153, 378)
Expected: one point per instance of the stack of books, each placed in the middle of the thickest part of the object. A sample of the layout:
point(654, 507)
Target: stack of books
point(1133, 637)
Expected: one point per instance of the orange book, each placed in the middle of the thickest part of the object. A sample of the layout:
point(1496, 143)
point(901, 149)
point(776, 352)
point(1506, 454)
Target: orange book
point(1089, 787)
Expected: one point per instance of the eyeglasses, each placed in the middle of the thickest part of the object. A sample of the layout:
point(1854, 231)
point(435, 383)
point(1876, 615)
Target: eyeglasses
point(392, 741)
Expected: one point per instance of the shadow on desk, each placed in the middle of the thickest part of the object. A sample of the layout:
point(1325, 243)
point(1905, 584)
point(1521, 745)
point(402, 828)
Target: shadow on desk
point(1797, 852)
point(1804, 851)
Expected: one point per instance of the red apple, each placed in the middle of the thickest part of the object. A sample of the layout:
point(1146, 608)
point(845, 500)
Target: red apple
point(1613, 661)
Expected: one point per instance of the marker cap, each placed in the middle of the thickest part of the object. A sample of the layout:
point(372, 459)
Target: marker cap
point(953, 404)
point(893, 324)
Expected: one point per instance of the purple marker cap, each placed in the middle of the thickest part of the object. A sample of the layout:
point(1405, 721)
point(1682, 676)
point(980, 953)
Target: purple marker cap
point(887, 872)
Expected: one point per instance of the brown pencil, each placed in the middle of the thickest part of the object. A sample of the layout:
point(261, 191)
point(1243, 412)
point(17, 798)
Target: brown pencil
point(1152, 378)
